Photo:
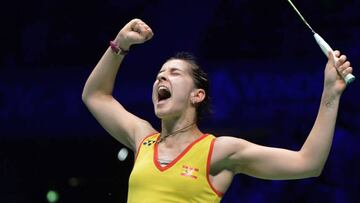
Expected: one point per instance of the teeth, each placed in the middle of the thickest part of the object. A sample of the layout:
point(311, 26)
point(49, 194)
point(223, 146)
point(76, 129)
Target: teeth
point(162, 88)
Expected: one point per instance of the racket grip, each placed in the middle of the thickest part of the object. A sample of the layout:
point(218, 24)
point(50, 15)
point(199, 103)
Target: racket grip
point(325, 47)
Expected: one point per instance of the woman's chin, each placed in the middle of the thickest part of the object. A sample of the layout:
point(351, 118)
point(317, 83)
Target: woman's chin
point(161, 114)
point(165, 114)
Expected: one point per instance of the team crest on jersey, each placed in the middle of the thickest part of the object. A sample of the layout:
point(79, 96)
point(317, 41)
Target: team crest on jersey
point(149, 142)
point(189, 171)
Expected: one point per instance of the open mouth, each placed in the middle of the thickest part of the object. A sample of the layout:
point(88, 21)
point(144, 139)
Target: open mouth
point(163, 93)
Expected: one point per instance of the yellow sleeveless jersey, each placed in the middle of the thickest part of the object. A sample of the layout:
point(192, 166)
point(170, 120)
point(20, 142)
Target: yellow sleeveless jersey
point(185, 179)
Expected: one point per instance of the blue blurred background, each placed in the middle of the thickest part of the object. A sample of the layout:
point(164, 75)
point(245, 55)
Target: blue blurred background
point(266, 75)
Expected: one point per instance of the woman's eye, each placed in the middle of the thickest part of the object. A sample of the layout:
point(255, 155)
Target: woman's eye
point(176, 73)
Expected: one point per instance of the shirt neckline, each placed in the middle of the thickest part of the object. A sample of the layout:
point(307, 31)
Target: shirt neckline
point(173, 162)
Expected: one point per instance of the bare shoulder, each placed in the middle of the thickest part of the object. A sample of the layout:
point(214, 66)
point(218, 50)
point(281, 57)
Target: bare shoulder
point(225, 146)
point(144, 130)
point(225, 149)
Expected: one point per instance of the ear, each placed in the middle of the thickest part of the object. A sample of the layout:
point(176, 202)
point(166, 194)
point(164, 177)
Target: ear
point(197, 96)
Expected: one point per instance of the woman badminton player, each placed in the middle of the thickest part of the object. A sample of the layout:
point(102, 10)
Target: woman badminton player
point(182, 164)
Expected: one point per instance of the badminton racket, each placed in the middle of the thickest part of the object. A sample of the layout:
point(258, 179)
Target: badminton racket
point(325, 47)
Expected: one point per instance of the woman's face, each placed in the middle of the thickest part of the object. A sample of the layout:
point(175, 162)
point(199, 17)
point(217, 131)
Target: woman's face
point(172, 89)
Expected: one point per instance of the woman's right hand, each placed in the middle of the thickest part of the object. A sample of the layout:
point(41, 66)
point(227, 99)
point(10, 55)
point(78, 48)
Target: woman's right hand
point(134, 32)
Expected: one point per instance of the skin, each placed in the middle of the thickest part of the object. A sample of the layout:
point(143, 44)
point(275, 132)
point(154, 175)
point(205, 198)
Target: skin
point(230, 155)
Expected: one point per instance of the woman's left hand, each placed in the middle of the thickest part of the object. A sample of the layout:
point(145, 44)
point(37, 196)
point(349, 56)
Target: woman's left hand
point(336, 69)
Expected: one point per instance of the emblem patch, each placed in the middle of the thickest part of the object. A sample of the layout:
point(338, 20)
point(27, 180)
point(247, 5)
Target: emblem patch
point(189, 171)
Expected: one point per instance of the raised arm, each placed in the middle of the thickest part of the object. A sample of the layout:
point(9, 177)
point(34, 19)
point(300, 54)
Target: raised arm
point(97, 93)
point(241, 156)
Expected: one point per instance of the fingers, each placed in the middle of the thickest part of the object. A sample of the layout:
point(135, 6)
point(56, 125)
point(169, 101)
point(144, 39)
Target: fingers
point(332, 56)
point(134, 32)
point(345, 68)
point(342, 65)
point(341, 60)
point(143, 29)
point(347, 71)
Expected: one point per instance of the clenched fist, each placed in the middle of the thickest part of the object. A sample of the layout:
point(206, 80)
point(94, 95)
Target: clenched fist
point(335, 71)
point(134, 32)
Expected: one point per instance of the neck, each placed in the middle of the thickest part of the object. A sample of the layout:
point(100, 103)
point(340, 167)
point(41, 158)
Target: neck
point(173, 129)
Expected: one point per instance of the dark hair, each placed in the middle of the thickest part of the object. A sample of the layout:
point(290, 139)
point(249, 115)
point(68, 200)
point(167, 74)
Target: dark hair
point(201, 81)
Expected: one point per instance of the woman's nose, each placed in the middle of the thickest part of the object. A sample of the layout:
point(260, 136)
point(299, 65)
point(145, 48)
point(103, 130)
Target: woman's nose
point(161, 77)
